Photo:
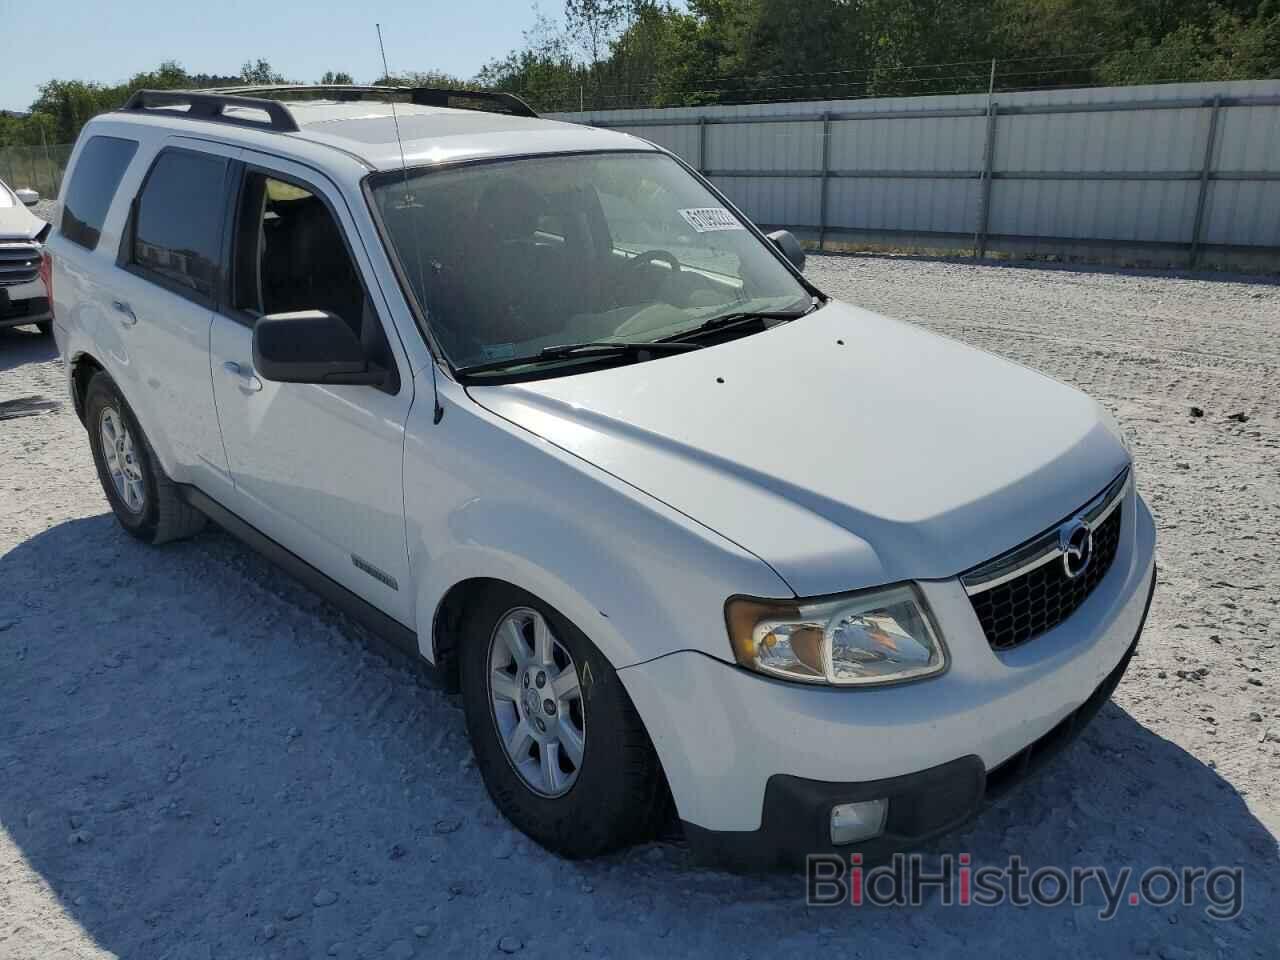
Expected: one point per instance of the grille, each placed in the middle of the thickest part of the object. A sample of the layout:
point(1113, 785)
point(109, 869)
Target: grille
point(19, 263)
point(1036, 602)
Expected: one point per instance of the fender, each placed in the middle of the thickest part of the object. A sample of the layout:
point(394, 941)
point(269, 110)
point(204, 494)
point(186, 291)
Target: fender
point(501, 544)
point(115, 363)
point(486, 498)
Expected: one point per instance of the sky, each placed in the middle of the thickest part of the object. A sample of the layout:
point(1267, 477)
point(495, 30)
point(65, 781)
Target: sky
point(107, 41)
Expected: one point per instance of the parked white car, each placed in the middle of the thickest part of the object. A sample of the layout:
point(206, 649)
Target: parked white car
point(23, 297)
point(537, 403)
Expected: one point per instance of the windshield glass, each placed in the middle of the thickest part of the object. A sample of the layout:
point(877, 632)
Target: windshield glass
point(510, 258)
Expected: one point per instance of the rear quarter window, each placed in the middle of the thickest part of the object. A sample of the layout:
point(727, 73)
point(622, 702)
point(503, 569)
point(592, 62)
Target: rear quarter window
point(177, 223)
point(99, 168)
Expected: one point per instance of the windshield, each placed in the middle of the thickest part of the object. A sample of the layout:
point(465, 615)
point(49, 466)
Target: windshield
point(513, 257)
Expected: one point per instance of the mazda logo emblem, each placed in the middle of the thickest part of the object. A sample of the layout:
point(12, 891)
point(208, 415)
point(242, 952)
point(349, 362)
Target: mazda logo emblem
point(1075, 539)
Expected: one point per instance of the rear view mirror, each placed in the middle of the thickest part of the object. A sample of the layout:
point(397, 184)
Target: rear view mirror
point(789, 247)
point(28, 196)
point(312, 346)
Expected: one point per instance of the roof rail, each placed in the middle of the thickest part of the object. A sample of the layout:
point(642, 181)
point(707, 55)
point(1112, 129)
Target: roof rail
point(424, 96)
point(206, 105)
point(443, 97)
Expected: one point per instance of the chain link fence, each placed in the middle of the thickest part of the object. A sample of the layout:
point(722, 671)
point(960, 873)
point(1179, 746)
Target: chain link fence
point(39, 168)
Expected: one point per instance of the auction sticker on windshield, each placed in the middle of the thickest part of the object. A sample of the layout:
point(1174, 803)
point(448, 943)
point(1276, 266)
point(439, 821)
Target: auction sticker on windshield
point(711, 219)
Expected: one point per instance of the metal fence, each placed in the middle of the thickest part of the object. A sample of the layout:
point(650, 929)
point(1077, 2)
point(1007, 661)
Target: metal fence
point(40, 168)
point(1174, 174)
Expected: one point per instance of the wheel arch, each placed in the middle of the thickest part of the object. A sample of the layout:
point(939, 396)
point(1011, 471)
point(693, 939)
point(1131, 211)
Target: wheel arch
point(83, 367)
point(446, 625)
point(449, 604)
point(81, 370)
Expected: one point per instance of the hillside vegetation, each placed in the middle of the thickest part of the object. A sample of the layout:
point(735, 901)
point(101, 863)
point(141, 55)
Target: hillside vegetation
point(602, 54)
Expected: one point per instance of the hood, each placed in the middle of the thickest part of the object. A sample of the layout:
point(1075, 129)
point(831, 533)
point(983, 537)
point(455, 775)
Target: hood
point(19, 223)
point(844, 449)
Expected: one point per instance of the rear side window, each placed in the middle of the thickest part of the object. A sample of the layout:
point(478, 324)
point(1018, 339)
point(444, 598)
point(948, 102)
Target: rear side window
point(177, 224)
point(102, 163)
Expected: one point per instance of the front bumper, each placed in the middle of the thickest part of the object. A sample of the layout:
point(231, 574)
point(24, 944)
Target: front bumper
point(797, 812)
point(750, 759)
point(22, 303)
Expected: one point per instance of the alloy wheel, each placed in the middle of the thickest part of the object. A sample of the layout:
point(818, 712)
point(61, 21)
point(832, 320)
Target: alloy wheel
point(121, 458)
point(536, 702)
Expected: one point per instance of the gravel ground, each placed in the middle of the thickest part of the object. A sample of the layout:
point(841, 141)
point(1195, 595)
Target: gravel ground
point(198, 758)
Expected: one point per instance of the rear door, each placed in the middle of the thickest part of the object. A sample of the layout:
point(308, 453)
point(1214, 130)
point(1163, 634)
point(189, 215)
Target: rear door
point(316, 468)
point(160, 300)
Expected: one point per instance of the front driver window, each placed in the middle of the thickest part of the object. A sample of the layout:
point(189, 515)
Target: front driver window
point(292, 255)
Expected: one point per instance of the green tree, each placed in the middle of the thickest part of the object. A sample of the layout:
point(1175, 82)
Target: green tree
point(1228, 47)
point(336, 78)
point(259, 73)
point(422, 78)
point(592, 24)
point(619, 53)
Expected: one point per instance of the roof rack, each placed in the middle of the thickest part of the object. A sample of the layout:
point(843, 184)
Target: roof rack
point(206, 105)
point(211, 105)
point(497, 101)
point(444, 97)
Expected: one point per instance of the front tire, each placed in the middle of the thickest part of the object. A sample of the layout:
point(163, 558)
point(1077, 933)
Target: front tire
point(144, 500)
point(562, 751)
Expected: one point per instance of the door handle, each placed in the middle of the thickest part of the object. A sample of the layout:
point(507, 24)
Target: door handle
point(127, 316)
point(248, 381)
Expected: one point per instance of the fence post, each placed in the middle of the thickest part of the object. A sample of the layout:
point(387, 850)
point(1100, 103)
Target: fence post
point(984, 184)
point(702, 145)
point(1206, 167)
point(48, 162)
point(826, 170)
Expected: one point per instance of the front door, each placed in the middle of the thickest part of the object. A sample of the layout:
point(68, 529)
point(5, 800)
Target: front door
point(316, 468)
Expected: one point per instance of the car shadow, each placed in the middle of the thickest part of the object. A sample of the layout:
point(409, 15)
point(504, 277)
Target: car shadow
point(23, 345)
point(199, 758)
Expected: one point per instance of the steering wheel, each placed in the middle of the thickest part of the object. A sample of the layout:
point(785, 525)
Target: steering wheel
point(649, 256)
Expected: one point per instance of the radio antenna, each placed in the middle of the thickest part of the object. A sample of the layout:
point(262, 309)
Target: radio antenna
point(408, 201)
point(404, 167)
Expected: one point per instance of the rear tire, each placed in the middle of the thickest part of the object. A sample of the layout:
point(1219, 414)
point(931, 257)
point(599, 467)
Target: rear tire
point(143, 498)
point(616, 794)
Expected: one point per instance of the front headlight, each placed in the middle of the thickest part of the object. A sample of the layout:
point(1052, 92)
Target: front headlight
point(879, 636)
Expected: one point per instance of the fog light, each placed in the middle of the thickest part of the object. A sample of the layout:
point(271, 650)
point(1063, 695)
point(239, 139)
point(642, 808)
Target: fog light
point(851, 822)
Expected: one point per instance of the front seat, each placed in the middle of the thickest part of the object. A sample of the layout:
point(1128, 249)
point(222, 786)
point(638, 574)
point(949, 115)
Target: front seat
point(520, 288)
point(325, 277)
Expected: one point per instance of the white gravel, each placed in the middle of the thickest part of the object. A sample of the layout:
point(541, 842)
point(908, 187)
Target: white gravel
point(198, 758)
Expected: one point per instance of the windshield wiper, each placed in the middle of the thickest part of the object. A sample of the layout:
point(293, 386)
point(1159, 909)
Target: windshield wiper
point(592, 348)
point(609, 347)
point(740, 319)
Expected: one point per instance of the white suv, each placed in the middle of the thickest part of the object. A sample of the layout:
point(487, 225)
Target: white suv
point(538, 404)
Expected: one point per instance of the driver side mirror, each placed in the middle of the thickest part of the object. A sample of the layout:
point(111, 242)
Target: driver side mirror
point(312, 346)
point(28, 196)
point(789, 247)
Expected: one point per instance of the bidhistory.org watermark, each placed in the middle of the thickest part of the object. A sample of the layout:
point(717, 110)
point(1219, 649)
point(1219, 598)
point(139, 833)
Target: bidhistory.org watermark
point(954, 880)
